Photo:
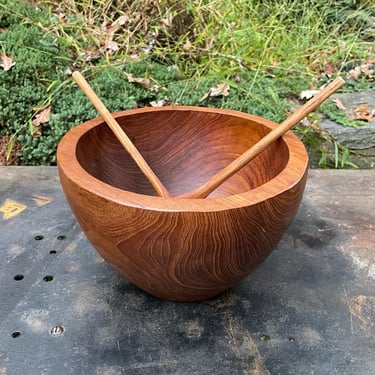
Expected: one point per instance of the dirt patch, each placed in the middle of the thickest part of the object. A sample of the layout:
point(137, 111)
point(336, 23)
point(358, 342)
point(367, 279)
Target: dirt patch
point(363, 308)
point(13, 156)
point(244, 347)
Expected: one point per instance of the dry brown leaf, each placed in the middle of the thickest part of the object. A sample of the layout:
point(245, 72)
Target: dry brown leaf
point(6, 61)
point(187, 45)
point(365, 69)
point(122, 20)
point(41, 117)
point(110, 29)
point(144, 82)
point(111, 47)
point(115, 26)
point(339, 104)
point(363, 113)
point(355, 73)
point(222, 89)
point(368, 70)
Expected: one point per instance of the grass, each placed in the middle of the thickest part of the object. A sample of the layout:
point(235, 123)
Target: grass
point(221, 37)
point(266, 51)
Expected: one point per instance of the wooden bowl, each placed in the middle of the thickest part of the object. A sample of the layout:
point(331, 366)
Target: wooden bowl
point(182, 249)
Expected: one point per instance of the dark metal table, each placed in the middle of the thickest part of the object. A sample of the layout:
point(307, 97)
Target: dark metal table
point(309, 309)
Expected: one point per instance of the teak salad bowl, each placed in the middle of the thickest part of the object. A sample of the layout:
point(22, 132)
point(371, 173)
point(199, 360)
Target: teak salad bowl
point(175, 248)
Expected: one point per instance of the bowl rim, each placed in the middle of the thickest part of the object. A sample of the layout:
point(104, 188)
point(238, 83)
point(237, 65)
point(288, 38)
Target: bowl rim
point(293, 172)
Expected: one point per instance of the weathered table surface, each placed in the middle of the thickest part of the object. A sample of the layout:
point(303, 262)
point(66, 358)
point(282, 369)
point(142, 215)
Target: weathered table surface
point(309, 309)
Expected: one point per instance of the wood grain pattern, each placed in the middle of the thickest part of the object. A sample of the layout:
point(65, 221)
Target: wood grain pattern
point(182, 249)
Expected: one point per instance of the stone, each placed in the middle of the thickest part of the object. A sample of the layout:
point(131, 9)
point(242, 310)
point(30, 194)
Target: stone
point(352, 100)
point(360, 140)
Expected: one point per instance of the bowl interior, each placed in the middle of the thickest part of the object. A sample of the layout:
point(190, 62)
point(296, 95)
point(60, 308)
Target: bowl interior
point(184, 148)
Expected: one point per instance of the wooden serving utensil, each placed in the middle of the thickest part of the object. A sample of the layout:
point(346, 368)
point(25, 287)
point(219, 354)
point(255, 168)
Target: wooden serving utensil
point(204, 190)
point(121, 135)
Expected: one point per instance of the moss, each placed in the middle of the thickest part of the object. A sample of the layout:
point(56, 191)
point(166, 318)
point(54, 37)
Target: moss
point(329, 109)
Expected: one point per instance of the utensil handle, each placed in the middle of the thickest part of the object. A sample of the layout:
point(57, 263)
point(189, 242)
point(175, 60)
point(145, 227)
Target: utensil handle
point(121, 135)
point(215, 181)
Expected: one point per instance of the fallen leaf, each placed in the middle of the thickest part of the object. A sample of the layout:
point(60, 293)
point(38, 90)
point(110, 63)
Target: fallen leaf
point(365, 69)
point(111, 29)
point(41, 117)
point(6, 61)
point(368, 70)
point(222, 89)
point(339, 104)
point(122, 20)
point(108, 29)
point(354, 73)
point(187, 45)
point(363, 113)
point(144, 82)
point(91, 54)
point(111, 47)
point(115, 26)
point(307, 94)
point(160, 103)
point(329, 69)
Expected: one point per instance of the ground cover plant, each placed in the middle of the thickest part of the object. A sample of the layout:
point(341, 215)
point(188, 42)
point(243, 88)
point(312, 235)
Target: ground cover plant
point(253, 56)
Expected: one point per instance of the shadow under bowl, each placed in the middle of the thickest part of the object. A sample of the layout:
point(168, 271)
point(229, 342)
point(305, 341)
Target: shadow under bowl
point(182, 249)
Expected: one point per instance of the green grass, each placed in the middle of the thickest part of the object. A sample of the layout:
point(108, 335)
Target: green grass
point(266, 51)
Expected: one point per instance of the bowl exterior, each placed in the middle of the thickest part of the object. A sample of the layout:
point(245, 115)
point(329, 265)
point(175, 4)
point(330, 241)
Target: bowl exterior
point(183, 256)
point(183, 249)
